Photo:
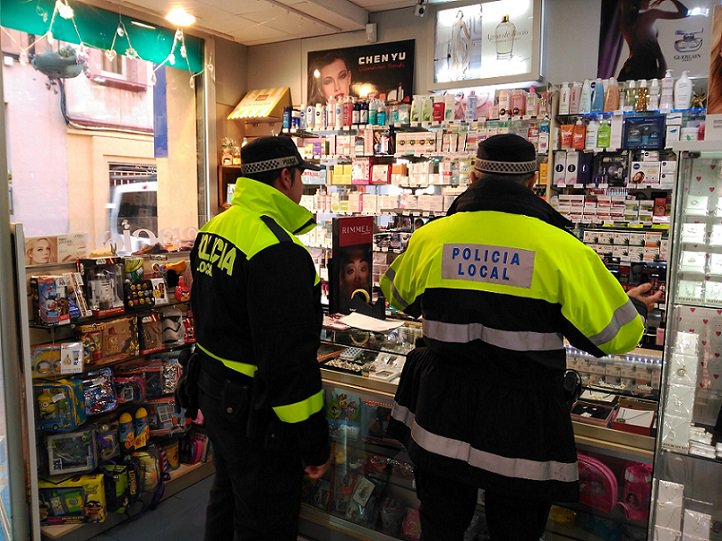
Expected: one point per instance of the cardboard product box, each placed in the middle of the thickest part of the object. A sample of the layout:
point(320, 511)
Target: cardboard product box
point(571, 175)
point(72, 499)
point(103, 278)
point(644, 174)
point(72, 247)
point(560, 168)
point(634, 416)
point(380, 174)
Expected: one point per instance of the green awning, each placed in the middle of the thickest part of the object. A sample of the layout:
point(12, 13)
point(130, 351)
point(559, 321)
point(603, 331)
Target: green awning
point(97, 27)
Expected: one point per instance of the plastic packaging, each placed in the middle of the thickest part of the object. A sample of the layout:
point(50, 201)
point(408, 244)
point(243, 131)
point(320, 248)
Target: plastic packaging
point(564, 99)
point(666, 100)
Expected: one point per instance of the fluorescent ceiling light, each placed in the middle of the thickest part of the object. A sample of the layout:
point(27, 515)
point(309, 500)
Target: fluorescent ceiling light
point(180, 17)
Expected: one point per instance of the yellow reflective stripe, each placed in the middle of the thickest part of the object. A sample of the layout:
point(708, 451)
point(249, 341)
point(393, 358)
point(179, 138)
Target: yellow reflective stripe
point(244, 368)
point(300, 411)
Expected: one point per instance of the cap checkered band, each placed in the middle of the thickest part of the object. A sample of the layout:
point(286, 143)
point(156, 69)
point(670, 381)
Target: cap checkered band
point(270, 165)
point(505, 168)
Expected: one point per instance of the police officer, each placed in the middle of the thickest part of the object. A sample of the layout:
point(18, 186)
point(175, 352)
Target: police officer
point(499, 283)
point(257, 309)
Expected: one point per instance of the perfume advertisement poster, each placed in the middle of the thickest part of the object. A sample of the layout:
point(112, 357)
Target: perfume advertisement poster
point(484, 40)
point(383, 68)
point(641, 39)
point(352, 263)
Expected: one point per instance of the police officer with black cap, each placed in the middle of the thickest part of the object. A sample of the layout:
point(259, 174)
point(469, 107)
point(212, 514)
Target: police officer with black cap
point(257, 309)
point(500, 283)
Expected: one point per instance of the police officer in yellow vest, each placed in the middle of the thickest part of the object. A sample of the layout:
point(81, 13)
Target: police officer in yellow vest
point(257, 309)
point(499, 284)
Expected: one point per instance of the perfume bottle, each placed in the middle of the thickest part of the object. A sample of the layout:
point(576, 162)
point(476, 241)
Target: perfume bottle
point(505, 33)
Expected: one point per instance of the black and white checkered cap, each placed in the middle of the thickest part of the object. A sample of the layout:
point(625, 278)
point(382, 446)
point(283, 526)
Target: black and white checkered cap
point(272, 153)
point(270, 165)
point(505, 168)
point(506, 154)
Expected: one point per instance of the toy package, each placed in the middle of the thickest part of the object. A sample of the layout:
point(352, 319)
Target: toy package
point(99, 392)
point(173, 328)
point(138, 291)
point(57, 359)
point(50, 300)
point(163, 418)
point(109, 341)
point(106, 440)
point(344, 415)
point(151, 371)
point(72, 499)
point(104, 281)
point(150, 327)
point(129, 389)
point(60, 405)
point(76, 295)
point(72, 452)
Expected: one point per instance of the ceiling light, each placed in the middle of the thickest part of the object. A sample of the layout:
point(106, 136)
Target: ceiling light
point(180, 17)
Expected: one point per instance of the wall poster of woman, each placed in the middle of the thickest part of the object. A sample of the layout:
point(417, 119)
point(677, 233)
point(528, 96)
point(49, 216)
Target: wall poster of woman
point(642, 39)
point(382, 68)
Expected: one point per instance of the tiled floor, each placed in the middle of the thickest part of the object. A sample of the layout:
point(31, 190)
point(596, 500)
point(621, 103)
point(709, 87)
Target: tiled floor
point(180, 517)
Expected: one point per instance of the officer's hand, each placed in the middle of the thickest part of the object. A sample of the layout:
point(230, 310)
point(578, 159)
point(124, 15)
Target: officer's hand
point(316, 472)
point(642, 293)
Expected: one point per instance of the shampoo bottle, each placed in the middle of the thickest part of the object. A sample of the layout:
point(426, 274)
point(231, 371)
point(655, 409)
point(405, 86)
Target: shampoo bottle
point(471, 107)
point(574, 96)
point(564, 98)
point(611, 96)
point(630, 96)
point(579, 135)
point(598, 97)
point(653, 95)
point(665, 100)
point(683, 92)
point(642, 96)
point(585, 99)
point(604, 134)
point(427, 109)
point(590, 142)
point(532, 102)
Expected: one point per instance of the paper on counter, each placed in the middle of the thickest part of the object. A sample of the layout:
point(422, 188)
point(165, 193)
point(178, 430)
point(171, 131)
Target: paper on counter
point(367, 323)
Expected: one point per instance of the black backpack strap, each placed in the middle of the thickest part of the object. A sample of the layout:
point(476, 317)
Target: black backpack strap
point(281, 234)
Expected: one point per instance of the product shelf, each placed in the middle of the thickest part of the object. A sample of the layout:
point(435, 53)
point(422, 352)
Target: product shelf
point(350, 530)
point(180, 479)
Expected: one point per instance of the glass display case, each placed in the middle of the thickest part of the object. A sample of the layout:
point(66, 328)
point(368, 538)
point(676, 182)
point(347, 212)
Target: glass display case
point(369, 494)
point(688, 465)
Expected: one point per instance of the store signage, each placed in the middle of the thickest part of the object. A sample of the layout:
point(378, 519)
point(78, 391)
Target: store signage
point(487, 43)
point(637, 43)
point(352, 260)
point(383, 68)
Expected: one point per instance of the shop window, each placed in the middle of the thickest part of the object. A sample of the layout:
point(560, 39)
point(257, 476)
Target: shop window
point(82, 149)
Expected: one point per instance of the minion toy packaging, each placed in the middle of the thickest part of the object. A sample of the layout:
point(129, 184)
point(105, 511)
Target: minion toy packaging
point(60, 405)
point(72, 499)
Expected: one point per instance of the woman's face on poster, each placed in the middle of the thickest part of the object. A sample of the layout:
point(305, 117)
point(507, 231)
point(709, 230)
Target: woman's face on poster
point(335, 79)
point(356, 274)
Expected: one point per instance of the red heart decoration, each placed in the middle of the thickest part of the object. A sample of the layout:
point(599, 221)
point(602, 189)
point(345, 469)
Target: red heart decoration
point(711, 188)
point(691, 330)
point(705, 321)
point(718, 333)
point(704, 342)
point(719, 312)
point(692, 309)
point(716, 354)
point(712, 165)
point(699, 178)
point(715, 376)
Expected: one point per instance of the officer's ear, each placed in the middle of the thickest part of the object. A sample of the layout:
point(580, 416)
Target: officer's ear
point(284, 182)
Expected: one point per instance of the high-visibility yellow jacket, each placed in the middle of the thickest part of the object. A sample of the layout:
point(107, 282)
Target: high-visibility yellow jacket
point(256, 305)
point(500, 284)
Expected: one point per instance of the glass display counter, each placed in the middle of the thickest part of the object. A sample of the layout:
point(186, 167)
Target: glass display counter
point(369, 493)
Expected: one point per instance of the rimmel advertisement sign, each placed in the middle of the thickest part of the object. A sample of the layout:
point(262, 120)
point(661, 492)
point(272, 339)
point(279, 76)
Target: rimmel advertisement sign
point(383, 68)
point(487, 43)
point(642, 39)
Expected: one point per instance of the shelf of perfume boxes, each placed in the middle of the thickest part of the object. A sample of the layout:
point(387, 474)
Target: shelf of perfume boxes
point(697, 290)
point(701, 451)
point(328, 520)
point(180, 479)
point(71, 324)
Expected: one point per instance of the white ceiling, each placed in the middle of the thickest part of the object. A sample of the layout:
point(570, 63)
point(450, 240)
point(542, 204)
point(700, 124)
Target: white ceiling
point(254, 22)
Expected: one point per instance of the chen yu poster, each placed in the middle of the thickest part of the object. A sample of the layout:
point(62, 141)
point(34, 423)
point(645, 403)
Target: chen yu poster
point(383, 68)
point(641, 39)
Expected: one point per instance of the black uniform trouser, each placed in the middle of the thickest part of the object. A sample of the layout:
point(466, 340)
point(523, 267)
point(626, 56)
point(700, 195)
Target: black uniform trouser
point(256, 495)
point(447, 508)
